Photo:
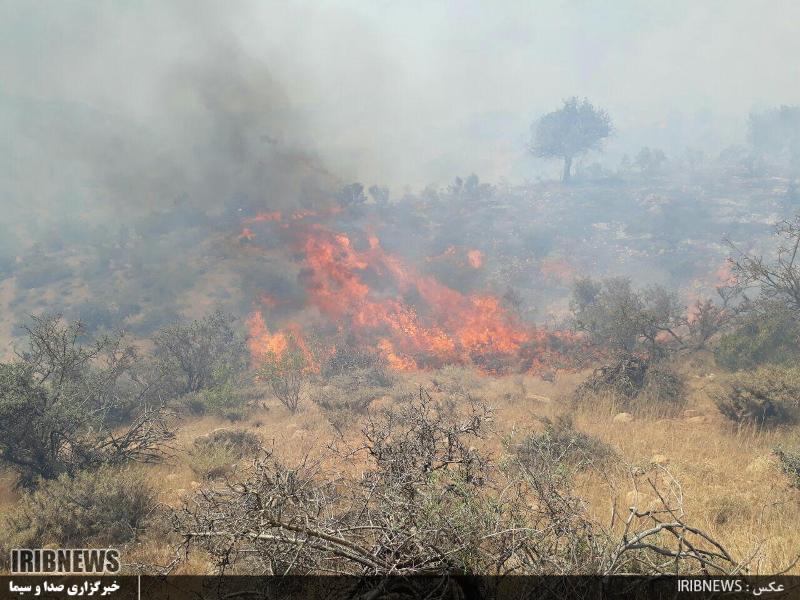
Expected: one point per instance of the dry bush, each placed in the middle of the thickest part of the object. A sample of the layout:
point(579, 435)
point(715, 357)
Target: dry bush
point(561, 444)
point(350, 380)
point(239, 441)
point(663, 387)
point(625, 378)
point(215, 455)
point(458, 380)
point(635, 383)
point(69, 404)
point(426, 500)
point(102, 508)
point(767, 397)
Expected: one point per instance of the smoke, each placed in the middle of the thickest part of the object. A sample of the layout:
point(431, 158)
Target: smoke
point(139, 104)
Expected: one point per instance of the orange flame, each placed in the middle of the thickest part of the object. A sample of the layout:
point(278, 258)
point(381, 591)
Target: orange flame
point(475, 258)
point(443, 326)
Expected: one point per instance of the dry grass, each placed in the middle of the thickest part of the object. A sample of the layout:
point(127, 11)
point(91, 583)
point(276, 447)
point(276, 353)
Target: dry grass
point(731, 483)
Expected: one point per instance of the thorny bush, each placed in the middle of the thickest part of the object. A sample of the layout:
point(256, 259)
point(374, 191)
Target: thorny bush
point(422, 498)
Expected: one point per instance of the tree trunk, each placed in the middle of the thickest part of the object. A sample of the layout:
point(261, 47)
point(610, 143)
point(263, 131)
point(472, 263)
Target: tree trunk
point(567, 168)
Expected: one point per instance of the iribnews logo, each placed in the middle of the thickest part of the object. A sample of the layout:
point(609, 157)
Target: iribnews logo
point(64, 560)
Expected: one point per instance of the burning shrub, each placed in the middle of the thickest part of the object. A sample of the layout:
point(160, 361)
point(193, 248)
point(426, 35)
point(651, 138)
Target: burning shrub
point(286, 372)
point(102, 508)
point(769, 396)
point(790, 464)
point(561, 444)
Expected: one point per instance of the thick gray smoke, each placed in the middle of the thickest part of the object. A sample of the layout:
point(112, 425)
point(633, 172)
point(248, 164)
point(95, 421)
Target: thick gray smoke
point(141, 103)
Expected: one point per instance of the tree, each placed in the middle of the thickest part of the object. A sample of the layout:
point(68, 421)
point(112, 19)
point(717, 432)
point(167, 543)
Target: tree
point(650, 161)
point(776, 132)
point(67, 406)
point(625, 320)
point(572, 130)
point(201, 355)
point(286, 372)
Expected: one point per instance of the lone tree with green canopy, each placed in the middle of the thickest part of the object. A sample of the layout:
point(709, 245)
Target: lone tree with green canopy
point(575, 128)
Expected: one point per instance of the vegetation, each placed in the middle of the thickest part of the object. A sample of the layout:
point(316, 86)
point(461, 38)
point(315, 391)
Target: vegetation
point(759, 340)
point(790, 464)
point(67, 406)
point(286, 373)
point(769, 396)
point(105, 508)
point(574, 129)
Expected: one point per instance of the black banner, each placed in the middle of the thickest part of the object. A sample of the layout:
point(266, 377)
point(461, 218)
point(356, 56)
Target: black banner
point(395, 588)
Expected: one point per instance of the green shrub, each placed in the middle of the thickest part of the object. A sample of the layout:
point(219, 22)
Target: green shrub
point(761, 340)
point(106, 507)
point(227, 401)
point(790, 464)
point(769, 396)
point(215, 455)
point(663, 386)
point(561, 444)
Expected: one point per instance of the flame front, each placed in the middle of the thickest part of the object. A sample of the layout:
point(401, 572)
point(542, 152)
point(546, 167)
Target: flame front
point(411, 319)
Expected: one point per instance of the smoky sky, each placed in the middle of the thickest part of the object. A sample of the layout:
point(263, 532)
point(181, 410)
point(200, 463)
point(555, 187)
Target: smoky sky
point(138, 101)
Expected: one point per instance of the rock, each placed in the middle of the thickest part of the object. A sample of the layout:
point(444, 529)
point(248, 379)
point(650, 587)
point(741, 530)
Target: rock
point(659, 459)
point(690, 412)
point(623, 417)
point(300, 433)
point(538, 398)
point(698, 419)
point(195, 484)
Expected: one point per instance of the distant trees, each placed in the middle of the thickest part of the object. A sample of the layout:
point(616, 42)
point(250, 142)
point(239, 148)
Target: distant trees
point(650, 160)
point(776, 132)
point(574, 129)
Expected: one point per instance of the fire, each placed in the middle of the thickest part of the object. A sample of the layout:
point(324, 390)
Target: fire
point(557, 270)
point(263, 344)
point(264, 217)
point(441, 326)
point(475, 258)
point(411, 319)
point(260, 341)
